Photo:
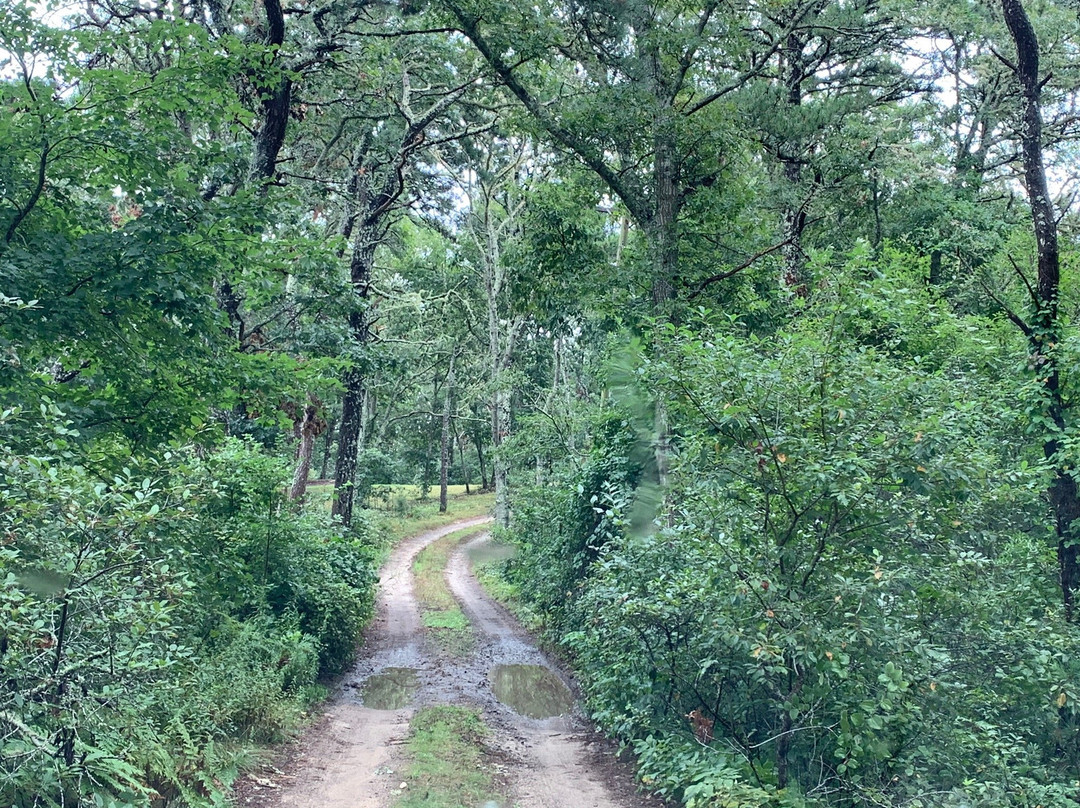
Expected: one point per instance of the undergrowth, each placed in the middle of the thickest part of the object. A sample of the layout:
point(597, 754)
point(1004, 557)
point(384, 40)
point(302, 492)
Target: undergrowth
point(165, 618)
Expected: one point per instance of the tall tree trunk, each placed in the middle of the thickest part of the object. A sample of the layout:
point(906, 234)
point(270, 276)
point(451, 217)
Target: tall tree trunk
point(501, 337)
point(791, 157)
point(664, 248)
point(276, 99)
point(328, 443)
point(309, 428)
point(444, 449)
point(348, 445)
point(500, 475)
point(461, 441)
point(935, 267)
point(1045, 333)
point(352, 406)
point(480, 461)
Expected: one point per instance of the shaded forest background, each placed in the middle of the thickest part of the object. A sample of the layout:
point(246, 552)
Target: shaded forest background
point(757, 317)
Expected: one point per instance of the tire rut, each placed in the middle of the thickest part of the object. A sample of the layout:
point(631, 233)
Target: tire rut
point(352, 757)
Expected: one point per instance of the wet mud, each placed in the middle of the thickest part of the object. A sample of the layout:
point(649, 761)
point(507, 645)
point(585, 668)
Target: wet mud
point(549, 757)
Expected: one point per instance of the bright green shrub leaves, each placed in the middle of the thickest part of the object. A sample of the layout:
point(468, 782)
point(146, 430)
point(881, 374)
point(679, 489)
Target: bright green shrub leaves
point(849, 588)
point(151, 616)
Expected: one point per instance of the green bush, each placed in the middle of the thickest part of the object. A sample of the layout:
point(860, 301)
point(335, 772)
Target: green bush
point(158, 618)
point(851, 585)
point(252, 678)
point(329, 582)
point(561, 529)
point(267, 557)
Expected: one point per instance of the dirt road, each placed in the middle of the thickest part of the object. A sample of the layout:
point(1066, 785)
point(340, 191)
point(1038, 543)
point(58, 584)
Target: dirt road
point(353, 757)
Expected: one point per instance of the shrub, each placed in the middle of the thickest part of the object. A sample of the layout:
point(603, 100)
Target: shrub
point(158, 618)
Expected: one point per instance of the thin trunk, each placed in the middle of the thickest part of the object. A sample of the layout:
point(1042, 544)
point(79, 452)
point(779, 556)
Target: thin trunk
point(875, 198)
point(309, 429)
point(352, 406)
point(500, 477)
point(624, 233)
point(1045, 334)
point(500, 356)
point(480, 461)
point(328, 444)
point(665, 258)
point(444, 449)
point(464, 461)
point(791, 156)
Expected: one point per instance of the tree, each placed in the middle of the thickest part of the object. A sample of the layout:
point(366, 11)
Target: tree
point(378, 162)
point(1045, 332)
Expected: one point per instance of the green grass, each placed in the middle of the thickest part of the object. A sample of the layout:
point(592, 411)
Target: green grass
point(446, 623)
point(389, 528)
point(422, 516)
point(412, 492)
point(447, 766)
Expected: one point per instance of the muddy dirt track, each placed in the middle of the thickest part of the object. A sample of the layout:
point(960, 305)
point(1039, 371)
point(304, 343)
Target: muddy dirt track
point(352, 758)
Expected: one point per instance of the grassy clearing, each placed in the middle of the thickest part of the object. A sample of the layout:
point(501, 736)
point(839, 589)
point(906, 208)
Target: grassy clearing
point(389, 528)
point(447, 766)
point(387, 496)
point(424, 515)
point(439, 610)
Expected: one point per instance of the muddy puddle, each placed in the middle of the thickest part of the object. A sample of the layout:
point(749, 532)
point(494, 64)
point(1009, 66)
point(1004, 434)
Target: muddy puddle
point(390, 690)
point(531, 690)
point(486, 551)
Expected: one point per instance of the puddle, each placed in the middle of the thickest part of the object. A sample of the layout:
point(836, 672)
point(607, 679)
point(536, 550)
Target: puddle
point(390, 690)
point(531, 690)
point(490, 551)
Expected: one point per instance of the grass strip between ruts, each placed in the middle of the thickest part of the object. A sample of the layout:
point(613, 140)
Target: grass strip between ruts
point(439, 610)
point(447, 761)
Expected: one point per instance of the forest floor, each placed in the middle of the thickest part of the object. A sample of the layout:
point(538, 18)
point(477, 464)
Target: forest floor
point(417, 718)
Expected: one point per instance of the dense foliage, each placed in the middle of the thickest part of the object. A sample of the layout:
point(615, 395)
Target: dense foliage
point(759, 318)
point(851, 589)
point(157, 617)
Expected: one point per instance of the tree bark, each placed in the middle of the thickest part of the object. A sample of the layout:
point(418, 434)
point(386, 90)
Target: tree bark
point(348, 445)
point(275, 101)
point(461, 441)
point(500, 476)
point(328, 443)
point(1045, 333)
point(310, 426)
point(444, 449)
point(935, 267)
point(352, 405)
point(794, 272)
point(480, 460)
